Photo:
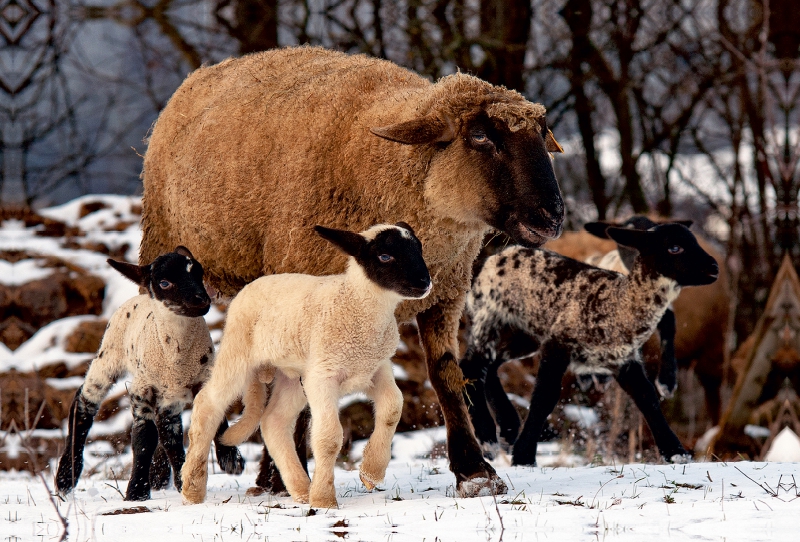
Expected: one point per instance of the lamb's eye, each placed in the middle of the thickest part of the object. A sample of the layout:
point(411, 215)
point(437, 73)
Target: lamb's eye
point(165, 284)
point(385, 258)
point(675, 249)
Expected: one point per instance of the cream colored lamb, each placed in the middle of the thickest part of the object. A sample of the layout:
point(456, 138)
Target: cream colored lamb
point(326, 336)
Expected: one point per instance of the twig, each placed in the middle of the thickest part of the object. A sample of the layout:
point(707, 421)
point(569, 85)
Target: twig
point(770, 491)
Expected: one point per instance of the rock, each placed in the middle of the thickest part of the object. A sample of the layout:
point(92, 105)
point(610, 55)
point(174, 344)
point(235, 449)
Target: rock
point(86, 337)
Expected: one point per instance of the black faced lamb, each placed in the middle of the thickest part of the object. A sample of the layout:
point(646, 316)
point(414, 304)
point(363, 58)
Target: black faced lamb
point(162, 341)
point(596, 320)
point(621, 260)
point(337, 333)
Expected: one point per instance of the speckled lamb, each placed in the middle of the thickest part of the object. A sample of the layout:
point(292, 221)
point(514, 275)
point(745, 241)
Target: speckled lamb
point(162, 341)
point(525, 300)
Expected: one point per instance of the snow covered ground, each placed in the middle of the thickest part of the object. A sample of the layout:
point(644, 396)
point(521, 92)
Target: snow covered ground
point(699, 501)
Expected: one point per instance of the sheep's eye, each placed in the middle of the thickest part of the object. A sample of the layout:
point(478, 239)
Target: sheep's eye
point(385, 258)
point(165, 284)
point(675, 249)
point(479, 136)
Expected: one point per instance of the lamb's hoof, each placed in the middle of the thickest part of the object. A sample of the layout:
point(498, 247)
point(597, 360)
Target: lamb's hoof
point(302, 499)
point(481, 485)
point(325, 503)
point(490, 450)
point(681, 458)
point(230, 460)
point(136, 496)
point(192, 497)
point(255, 491)
point(666, 390)
point(369, 482)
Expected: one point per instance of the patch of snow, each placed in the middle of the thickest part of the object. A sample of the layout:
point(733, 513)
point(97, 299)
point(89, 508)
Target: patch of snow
point(398, 372)
point(72, 382)
point(785, 447)
point(16, 274)
point(756, 431)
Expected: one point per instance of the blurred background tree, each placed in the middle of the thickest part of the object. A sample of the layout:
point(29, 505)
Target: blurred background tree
point(680, 108)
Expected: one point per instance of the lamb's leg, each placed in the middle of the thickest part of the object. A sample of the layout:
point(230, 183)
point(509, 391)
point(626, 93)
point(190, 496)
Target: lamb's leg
point(633, 380)
point(327, 437)
point(160, 470)
point(388, 401)
point(170, 433)
point(81, 416)
point(475, 367)
point(144, 439)
point(553, 365)
point(438, 328)
point(229, 458)
point(269, 478)
point(277, 429)
point(668, 371)
point(228, 380)
point(504, 411)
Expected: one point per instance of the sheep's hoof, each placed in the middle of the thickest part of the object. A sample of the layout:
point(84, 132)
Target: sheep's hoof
point(481, 485)
point(368, 481)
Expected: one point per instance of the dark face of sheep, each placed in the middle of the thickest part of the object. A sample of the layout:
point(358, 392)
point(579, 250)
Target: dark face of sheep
point(512, 187)
point(175, 279)
point(670, 250)
point(391, 257)
point(636, 222)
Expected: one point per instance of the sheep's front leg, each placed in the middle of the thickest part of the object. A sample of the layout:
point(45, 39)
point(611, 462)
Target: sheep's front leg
point(144, 439)
point(438, 328)
point(170, 433)
point(633, 380)
point(388, 401)
point(286, 402)
point(553, 365)
point(326, 437)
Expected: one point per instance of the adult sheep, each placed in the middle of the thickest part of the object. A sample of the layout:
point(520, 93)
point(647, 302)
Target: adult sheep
point(250, 153)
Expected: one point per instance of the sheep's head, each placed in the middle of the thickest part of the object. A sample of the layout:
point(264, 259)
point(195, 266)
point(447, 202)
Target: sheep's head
point(391, 257)
point(670, 250)
point(491, 160)
point(175, 279)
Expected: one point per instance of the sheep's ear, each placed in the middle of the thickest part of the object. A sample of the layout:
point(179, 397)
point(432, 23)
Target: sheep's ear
point(138, 274)
point(405, 225)
point(350, 243)
point(427, 129)
point(637, 239)
point(183, 251)
point(551, 144)
point(598, 229)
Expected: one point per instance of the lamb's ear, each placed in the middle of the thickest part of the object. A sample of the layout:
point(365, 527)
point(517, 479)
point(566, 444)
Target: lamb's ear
point(405, 225)
point(427, 129)
point(637, 239)
point(138, 274)
point(183, 251)
point(551, 144)
point(599, 228)
point(687, 223)
point(350, 243)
